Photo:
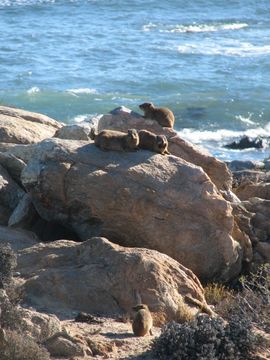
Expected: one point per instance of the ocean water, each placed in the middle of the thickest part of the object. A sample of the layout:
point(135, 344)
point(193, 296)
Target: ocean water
point(207, 60)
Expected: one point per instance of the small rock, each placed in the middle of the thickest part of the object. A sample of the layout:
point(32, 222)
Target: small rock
point(87, 318)
point(245, 143)
point(238, 165)
point(73, 132)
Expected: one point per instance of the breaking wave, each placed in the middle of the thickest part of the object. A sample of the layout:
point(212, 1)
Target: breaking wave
point(222, 135)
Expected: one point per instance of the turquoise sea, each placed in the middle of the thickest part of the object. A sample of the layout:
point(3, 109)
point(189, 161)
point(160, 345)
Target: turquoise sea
point(207, 60)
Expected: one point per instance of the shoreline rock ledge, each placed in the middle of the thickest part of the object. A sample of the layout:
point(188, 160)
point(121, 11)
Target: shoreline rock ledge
point(138, 199)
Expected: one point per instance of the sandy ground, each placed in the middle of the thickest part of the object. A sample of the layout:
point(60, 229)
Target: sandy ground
point(112, 339)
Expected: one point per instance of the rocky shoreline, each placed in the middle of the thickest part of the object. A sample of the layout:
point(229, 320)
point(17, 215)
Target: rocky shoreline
point(97, 231)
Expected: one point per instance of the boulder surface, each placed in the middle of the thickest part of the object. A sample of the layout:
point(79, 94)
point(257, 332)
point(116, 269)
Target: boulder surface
point(97, 276)
point(24, 127)
point(123, 119)
point(138, 199)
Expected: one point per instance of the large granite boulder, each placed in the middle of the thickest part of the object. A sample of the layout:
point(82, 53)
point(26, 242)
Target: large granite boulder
point(97, 276)
point(24, 127)
point(138, 199)
point(123, 119)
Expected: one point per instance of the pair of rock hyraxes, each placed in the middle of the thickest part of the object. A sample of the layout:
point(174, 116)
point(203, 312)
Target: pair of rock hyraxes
point(143, 139)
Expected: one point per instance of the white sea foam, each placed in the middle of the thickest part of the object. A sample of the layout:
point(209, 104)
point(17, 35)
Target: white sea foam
point(23, 2)
point(204, 28)
point(33, 90)
point(80, 118)
point(193, 28)
point(82, 91)
point(149, 27)
point(236, 48)
point(246, 120)
point(222, 135)
point(91, 119)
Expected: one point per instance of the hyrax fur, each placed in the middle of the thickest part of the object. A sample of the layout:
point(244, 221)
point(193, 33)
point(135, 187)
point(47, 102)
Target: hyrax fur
point(153, 142)
point(162, 115)
point(116, 140)
point(143, 322)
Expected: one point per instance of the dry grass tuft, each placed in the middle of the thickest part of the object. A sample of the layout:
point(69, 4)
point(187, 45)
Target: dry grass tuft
point(184, 313)
point(216, 293)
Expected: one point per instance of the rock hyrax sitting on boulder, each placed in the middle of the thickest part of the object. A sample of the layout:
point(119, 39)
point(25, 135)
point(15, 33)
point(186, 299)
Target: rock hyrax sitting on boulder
point(143, 322)
point(163, 116)
point(153, 142)
point(116, 140)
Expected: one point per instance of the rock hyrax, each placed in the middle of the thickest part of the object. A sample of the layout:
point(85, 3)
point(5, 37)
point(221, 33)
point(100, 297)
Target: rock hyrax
point(143, 322)
point(162, 115)
point(116, 140)
point(153, 142)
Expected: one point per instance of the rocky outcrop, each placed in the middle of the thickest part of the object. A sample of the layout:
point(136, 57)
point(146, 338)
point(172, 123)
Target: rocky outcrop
point(98, 276)
point(18, 239)
point(240, 165)
point(24, 127)
point(13, 165)
point(260, 209)
point(246, 143)
point(24, 215)
point(249, 190)
point(136, 199)
point(74, 132)
point(10, 195)
point(123, 119)
point(39, 325)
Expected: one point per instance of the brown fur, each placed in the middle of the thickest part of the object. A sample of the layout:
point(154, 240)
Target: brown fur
point(116, 140)
point(162, 115)
point(143, 322)
point(153, 142)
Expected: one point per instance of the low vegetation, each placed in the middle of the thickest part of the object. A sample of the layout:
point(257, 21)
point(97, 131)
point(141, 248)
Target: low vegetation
point(234, 333)
point(15, 344)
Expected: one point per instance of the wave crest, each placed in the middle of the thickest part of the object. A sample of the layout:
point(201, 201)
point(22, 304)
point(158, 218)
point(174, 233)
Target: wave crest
point(82, 91)
point(193, 28)
point(241, 49)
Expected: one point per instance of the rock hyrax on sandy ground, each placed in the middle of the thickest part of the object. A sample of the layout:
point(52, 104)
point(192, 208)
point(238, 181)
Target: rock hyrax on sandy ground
point(162, 115)
point(143, 322)
point(153, 142)
point(116, 140)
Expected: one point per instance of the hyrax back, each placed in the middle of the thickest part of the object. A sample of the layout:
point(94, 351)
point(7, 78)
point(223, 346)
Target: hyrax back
point(143, 322)
point(162, 115)
point(153, 142)
point(116, 140)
